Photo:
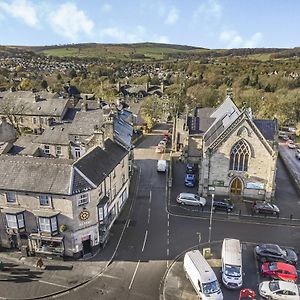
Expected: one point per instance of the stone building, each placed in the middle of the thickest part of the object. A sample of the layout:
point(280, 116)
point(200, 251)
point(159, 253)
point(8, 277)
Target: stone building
point(236, 154)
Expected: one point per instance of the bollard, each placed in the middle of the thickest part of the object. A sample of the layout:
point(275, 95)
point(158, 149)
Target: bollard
point(291, 217)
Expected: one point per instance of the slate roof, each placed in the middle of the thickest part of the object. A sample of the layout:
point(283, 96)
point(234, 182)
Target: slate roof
point(101, 161)
point(201, 120)
point(79, 183)
point(25, 145)
point(35, 174)
point(84, 122)
point(123, 132)
point(48, 106)
point(55, 135)
point(268, 128)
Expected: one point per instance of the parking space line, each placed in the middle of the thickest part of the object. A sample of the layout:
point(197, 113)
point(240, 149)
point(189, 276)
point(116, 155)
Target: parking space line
point(145, 239)
point(133, 276)
point(52, 283)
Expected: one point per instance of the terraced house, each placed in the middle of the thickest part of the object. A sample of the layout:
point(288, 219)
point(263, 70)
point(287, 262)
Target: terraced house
point(59, 203)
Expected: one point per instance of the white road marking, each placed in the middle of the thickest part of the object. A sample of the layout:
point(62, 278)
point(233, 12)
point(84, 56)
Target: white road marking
point(145, 239)
point(168, 252)
point(168, 223)
point(130, 285)
point(149, 210)
point(110, 276)
point(168, 232)
point(52, 283)
point(150, 196)
point(128, 222)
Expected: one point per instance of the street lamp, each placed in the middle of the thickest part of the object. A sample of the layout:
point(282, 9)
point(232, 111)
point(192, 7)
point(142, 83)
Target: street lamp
point(210, 219)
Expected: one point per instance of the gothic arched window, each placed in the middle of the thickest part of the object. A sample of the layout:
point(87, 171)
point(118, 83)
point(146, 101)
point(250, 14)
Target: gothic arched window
point(239, 156)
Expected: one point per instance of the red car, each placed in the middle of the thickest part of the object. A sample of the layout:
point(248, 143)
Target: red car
point(279, 270)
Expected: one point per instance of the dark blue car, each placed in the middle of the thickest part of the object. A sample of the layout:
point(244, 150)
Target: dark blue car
point(190, 180)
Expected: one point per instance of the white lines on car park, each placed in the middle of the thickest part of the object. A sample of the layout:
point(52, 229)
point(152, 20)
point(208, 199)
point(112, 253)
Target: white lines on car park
point(145, 239)
point(149, 211)
point(133, 276)
point(52, 283)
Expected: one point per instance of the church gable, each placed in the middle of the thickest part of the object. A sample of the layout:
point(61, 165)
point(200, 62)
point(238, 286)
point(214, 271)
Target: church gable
point(242, 128)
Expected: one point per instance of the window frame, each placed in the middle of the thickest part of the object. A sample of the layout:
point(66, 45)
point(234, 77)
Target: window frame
point(17, 221)
point(42, 198)
point(50, 226)
point(239, 156)
point(46, 149)
point(7, 198)
point(58, 151)
point(84, 196)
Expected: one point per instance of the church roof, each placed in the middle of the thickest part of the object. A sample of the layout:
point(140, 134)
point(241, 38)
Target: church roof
point(268, 128)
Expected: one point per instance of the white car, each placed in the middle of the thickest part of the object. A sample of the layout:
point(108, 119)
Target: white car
point(291, 145)
point(162, 143)
point(279, 290)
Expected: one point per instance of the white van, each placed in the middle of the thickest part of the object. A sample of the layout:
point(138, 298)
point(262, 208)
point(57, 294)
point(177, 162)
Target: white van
point(161, 165)
point(232, 275)
point(201, 275)
point(190, 199)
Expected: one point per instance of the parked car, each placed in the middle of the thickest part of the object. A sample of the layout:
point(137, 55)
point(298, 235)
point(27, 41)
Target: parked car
point(162, 143)
point(285, 137)
point(273, 252)
point(190, 169)
point(279, 270)
point(292, 145)
point(266, 208)
point(190, 180)
point(224, 205)
point(279, 290)
point(160, 149)
point(190, 199)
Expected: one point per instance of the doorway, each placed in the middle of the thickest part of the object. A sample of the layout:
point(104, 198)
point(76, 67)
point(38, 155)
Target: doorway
point(236, 187)
point(86, 246)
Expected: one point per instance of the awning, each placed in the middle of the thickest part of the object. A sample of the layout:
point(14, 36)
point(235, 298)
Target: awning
point(36, 236)
point(45, 213)
point(12, 210)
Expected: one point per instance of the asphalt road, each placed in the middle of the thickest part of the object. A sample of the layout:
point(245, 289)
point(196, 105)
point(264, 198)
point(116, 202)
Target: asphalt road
point(153, 238)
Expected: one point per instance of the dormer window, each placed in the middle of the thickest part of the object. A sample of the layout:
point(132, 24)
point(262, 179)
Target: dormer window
point(47, 149)
point(76, 139)
point(11, 197)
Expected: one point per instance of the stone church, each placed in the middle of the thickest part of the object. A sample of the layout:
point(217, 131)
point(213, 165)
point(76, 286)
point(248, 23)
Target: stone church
point(236, 154)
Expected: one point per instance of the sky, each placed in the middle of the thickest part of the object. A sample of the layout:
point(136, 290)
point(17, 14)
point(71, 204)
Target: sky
point(210, 24)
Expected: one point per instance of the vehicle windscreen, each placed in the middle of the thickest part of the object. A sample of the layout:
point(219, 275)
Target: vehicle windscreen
point(233, 271)
point(273, 286)
point(273, 266)
point(211, 287)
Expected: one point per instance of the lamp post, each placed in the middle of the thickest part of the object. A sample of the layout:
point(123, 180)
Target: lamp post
point(210, 219)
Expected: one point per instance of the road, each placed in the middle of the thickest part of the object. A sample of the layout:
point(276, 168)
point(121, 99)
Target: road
point(152, 237)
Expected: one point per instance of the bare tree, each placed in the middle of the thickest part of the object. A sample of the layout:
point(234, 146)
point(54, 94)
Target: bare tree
point(13, 110)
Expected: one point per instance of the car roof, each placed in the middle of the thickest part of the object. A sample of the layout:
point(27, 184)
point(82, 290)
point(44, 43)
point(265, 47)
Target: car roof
point(190, 175)
point(286, 285)
point(284, 266)
point(187, 195)
point(273, 247)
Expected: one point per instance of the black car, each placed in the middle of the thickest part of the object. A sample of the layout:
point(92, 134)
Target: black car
point(266, 208)
point(190, 169)
point(272, 252)
point(223, 205)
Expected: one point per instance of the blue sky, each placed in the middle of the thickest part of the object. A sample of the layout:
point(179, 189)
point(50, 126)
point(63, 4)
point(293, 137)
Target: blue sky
point(204, 23)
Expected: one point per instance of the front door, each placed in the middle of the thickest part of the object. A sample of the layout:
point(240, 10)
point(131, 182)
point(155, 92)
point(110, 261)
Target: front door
point(236, 186)
point(86, 246)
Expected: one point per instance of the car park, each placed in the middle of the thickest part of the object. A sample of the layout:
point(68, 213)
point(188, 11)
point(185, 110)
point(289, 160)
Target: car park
point(279, 270)
point(190, 180)
point(273, 252)
point(224, 205)
point(190, 199)
point(266, 208)
point(279, 290)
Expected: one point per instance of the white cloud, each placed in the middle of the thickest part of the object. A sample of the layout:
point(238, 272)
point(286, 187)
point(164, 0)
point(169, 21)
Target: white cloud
point(121, 36)
point(254, 40)
point(208, 10)
point(161, 39)
point(233, 40)
point(172, 16)
point(21, 9)
point(106, 7)
point(69, 21)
